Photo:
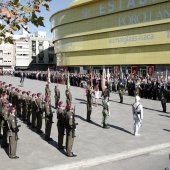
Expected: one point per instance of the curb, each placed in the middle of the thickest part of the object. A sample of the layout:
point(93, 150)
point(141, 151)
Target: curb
point(104, 159)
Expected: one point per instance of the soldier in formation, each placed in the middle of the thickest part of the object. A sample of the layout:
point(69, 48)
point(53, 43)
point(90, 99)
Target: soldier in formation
point(13, 130)
point(69, 123)
point(61, 124)
point(39, 103)
point(121, 91)
point(105, 112)
point(47, 91)
point(56, 96)
point(48, 118)
point(68, 96)
point(89, 103)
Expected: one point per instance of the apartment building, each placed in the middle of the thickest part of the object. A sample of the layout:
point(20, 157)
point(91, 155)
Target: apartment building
point(7, 57)
point(41, 51)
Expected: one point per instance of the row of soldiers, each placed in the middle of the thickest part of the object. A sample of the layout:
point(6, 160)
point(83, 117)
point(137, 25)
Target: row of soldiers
point(31, 108)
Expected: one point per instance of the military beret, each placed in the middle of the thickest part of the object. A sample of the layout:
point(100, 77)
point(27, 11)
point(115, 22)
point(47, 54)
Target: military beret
point(33, 95)
point(68, 106)
point(3, 94)
point(16, 89)
point(4, 83)
point(28, 92)
point(46, 98)
point(10, 85)
point(11, 109)
point(39, 94)
point(6, 102)
point(60, 103)
point(24, 92)
point(13, 87)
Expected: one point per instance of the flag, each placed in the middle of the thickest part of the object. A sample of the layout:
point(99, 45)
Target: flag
point(48, 76)
point(108, 75)
point(121, 73)
point(103, 79)
point(166, 77)
point(68, 81)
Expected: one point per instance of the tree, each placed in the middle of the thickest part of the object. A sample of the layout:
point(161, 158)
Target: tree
point(15, 14)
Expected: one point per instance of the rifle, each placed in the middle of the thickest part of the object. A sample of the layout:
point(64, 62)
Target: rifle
point(136, 113)
point(74, 123)
point(16, 129)
point(51, 112)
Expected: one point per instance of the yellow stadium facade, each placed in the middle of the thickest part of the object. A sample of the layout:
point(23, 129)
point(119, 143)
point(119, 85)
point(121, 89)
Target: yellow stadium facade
point(113, 32)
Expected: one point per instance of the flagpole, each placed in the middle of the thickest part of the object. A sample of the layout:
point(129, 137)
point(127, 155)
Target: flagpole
point(103, 79)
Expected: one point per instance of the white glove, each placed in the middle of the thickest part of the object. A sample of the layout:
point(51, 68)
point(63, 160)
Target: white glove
point(108, 103)
point(109, 113)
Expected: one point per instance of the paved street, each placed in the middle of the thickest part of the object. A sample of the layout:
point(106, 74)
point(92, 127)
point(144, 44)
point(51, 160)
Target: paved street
point(93, 144)
point(158, 160)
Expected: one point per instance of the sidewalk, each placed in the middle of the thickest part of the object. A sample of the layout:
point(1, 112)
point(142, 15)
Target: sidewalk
point(93, 144)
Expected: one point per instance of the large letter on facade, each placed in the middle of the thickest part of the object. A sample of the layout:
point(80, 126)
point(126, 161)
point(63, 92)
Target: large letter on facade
point(111, 5)
point(131, 3)
point(102, 8)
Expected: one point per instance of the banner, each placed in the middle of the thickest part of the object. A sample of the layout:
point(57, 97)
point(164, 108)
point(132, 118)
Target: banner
point(150, 70)
point(134, 70)
point(116, 69)
point(48, 76)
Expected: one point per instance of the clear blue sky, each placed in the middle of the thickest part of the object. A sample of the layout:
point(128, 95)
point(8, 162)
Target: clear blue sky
point(55, 5)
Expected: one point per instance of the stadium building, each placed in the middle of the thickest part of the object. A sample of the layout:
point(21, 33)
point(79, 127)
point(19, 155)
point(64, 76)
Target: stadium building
point(131, 33)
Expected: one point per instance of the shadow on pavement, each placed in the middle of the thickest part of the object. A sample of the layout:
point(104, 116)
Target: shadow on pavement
point(131, 105)
point(81, 100)
point(164, 115)
point(121, 129)
point(166, 130)
point(6, 149)
point(93, 123)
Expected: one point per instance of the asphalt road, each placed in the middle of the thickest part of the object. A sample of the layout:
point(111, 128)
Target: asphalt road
point(158, 160)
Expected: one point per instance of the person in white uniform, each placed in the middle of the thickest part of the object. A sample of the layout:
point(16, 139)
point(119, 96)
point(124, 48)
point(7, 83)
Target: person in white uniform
point(137, 110)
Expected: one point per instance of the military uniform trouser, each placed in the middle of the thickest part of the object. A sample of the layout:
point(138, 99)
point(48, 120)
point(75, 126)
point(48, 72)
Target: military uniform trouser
point(19, 111)
point(12, 145)
point(60, 134)
point(163, 102)
point(68, 101)
point(48, 125)
point(89, 110)
point(105, 118)
point(39, 121)
point(4, 136)
point(24, 113)
point(0, 125)
point(69, 142)
point(121, 97)
point(56, 102)
point(34, 118)
point(28, 116)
